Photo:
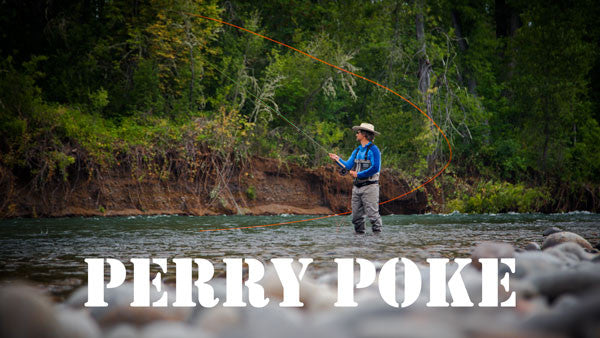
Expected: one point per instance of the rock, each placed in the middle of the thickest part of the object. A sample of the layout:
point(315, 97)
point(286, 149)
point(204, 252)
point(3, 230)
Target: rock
point(551, 231)
point(329, 278)
point(565, 236)
point(268, 321)
point(218, 319)
point(123, 331)
point(77, 323)
point(171, 330)
point(513, 333)
point(579, 320)
point(314, 296)
point(570, 253)
point(565, 303)
point(25, 312)
point(119, 310)
point(491, 250)
point(137, 316)
point(571, 281)
point(531, 305)
point(220, 292)
point(472, 279)
point(381, 320)
point(532, 246)
point(533, 262)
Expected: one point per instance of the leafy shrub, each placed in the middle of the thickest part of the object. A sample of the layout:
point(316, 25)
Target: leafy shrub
point(251, 192)
point(494, 197)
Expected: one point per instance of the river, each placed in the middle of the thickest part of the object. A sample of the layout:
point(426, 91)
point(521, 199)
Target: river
point(51, 252)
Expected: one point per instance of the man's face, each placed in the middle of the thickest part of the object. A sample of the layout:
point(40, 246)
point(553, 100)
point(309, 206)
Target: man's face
point(359, 136)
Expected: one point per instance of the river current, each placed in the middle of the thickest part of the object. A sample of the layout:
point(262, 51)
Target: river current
point(51, 252)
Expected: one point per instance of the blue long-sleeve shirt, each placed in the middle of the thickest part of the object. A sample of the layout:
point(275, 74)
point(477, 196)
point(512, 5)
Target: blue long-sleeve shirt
point(374, 156)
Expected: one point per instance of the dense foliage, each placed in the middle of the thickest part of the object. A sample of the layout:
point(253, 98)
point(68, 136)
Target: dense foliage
point(95, 85)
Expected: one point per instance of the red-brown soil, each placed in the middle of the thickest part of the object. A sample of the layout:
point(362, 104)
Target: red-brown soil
point(262, 187)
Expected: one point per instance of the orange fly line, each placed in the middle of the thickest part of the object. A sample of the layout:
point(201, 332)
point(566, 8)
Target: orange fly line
point(353, 74)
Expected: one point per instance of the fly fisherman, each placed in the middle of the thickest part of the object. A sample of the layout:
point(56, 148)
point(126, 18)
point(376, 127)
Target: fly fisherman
point(364, 165)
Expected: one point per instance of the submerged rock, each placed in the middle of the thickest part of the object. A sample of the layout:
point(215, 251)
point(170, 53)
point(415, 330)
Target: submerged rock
point(563, 237)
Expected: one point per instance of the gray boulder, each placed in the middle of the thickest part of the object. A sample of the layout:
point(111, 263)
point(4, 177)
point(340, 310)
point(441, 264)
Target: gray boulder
point(491, 250)
point(25, 312)
point(551, 231)
point(119, 310)
point(532, 246)
point(534, 262)
point(578, 320)
point(570, 281)
point(563, 237)
point(570, 253)
point(77, 323)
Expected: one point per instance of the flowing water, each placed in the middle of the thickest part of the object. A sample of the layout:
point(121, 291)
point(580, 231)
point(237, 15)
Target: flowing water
point(51, 252)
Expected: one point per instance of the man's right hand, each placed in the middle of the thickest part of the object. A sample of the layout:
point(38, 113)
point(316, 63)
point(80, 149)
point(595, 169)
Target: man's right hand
point(334, 157)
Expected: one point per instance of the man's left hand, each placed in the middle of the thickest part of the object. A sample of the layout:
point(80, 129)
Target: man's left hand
point(353, 173)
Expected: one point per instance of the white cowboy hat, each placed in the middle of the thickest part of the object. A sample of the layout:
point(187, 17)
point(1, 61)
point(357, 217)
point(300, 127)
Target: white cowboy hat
point(367, 127)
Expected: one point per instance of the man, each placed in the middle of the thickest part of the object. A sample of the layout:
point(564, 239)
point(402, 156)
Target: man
point(364, 165)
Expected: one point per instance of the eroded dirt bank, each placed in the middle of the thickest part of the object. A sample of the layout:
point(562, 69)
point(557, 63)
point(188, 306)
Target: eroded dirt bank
point(260, 187)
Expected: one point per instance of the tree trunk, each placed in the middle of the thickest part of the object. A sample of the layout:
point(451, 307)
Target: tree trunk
point(507, 19)
point(545, 150)
point(467, 79)
point(424, 75)
point(396, 43)
point(507, 23)
point(193, 76)
point(424, 65)
point(188, 29)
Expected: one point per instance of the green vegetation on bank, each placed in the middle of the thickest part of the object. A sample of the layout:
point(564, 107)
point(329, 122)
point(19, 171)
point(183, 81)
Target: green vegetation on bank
point(98, 85)
point(492, 197)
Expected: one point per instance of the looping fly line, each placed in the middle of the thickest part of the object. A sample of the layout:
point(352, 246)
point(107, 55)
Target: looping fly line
point(353, 74)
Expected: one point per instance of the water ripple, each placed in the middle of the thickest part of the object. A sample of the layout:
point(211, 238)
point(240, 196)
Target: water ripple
point(52, 251)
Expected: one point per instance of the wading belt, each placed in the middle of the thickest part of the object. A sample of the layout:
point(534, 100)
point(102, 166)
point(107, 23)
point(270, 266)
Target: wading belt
point(362, 184)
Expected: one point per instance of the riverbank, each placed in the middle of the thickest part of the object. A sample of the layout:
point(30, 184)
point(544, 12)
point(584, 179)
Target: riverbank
point(215, 185)
point(260, 186)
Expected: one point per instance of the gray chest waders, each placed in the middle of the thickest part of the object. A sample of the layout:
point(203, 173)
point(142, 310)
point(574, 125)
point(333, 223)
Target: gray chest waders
point(360, 165)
